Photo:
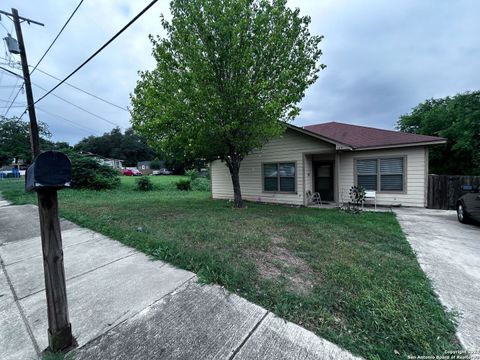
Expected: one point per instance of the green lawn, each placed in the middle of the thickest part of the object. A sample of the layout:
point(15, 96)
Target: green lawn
point(352, 279)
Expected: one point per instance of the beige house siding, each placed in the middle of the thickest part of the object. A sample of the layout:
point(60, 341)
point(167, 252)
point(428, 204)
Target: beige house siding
point(304, 150)
point(291, 147)
point(416, 173)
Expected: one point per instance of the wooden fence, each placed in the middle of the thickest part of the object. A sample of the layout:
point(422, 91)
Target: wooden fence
point(444, 190)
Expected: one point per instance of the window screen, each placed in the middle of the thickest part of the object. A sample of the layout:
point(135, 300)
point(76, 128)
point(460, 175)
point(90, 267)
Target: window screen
point(279, 177)
point(391, 174)
point(286, 172)
point(381, 174)
point(367, 174)
point(270, 177)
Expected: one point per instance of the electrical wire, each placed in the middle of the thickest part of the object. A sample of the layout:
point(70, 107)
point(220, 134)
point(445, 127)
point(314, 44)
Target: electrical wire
point(46, 51)
point(4, 27)
point(78, 88)
point(58, 97)
point(8, 109)
point(79, 107)
point(12, 73)
point(99, 50)
point(85, 128)
point(85, 91)
point(56, 37)
point(15, 98)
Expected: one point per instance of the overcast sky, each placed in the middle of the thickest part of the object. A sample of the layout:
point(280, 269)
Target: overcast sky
point(382, 57)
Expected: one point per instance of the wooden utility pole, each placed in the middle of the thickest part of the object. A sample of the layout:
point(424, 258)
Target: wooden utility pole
point(59, 328)
point(34, 137)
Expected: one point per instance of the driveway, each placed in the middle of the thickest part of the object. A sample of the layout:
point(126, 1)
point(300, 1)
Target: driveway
point(449, 253)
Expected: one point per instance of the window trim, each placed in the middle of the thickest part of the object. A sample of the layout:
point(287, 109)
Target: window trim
point(379, 185)
point(278, 177)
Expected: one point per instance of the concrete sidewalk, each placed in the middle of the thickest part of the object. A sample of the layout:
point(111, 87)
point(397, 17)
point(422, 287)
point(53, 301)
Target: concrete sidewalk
point(125, 306)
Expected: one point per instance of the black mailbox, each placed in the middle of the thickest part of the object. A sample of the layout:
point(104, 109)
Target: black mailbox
point(50, 169)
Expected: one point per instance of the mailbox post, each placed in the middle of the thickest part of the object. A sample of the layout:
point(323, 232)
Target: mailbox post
point(51, 171)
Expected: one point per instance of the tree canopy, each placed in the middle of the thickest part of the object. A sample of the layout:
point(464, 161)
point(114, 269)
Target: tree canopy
point(455, 118)
point(229, 75)
point(15, 140)
point(128, 146)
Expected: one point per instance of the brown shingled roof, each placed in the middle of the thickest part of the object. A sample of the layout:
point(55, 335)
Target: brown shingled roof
point(365, 137)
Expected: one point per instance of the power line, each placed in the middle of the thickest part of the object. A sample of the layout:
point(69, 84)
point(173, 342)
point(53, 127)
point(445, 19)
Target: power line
point(13, 106)
point(16, 83)
point(8, 32)
point(85, 128)
point(15, 98)
point(58, 97)
point(78, 88)
point(16, 95)
point(11, 72)
point(85, 92)
point(99, 50)
point(77, 106)
point(56, 37)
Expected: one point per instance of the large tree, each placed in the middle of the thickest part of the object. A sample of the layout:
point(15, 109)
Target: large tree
point(457, 119)
point(229, 75)
point(15, 140)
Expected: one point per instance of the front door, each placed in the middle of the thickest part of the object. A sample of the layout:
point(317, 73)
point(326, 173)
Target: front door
point(324, 180)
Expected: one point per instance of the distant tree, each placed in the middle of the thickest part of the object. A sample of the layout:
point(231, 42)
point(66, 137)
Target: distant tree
point(456, 118)
point(15, 140)
point(155, 164)
point(61, 146)
point(129, 146)
point(229, 75)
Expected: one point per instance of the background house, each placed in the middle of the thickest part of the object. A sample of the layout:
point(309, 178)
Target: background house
point(113, 163)
point(330, 158)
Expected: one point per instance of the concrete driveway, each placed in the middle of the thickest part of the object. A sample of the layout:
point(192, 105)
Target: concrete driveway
point(449, 253)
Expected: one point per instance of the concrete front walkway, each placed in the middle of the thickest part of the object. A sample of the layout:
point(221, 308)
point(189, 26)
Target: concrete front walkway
point(449, 253)
point(125, 306)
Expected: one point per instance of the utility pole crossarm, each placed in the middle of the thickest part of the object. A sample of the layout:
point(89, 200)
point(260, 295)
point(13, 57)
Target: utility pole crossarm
point(22, 18)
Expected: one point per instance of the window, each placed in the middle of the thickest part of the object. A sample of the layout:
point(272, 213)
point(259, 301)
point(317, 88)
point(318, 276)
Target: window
point(279, 177)
point(391, 174)
point(367, 174)
point(381, 174)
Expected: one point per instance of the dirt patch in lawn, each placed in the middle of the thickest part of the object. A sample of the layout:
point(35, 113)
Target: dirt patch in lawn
point(277, 261)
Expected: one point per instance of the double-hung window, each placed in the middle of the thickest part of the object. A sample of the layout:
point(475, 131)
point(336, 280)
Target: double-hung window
point(279, 177)
point(384, 174)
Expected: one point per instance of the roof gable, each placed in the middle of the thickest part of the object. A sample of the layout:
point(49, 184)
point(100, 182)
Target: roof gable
point(362, 137)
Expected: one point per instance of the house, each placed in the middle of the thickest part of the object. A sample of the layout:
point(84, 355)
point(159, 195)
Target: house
point(143, 165)
point(113, 163)
point(330, 158)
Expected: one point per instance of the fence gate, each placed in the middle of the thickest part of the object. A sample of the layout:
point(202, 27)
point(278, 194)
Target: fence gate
point(444, 190)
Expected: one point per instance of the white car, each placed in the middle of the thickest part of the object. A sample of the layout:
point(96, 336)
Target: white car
point(162, 172)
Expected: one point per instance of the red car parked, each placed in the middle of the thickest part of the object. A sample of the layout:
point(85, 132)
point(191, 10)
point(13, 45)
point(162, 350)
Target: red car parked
point(131, 172)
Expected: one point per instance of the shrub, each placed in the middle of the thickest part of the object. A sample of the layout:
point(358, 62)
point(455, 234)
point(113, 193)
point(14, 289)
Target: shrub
point(192, 174)
point(87, 173)
point(201, 184)
point(184, 184)
point(357, 194)
point(144, 184)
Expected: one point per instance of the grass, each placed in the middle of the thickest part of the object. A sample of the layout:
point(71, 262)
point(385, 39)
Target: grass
point(352, 279)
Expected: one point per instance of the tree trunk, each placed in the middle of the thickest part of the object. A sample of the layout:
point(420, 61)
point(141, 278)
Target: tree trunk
point(234, 166)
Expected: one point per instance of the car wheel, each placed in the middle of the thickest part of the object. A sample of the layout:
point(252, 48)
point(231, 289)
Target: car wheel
point(461, 215)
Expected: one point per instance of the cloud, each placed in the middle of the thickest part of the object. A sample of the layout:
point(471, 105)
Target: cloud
point(382, 58)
